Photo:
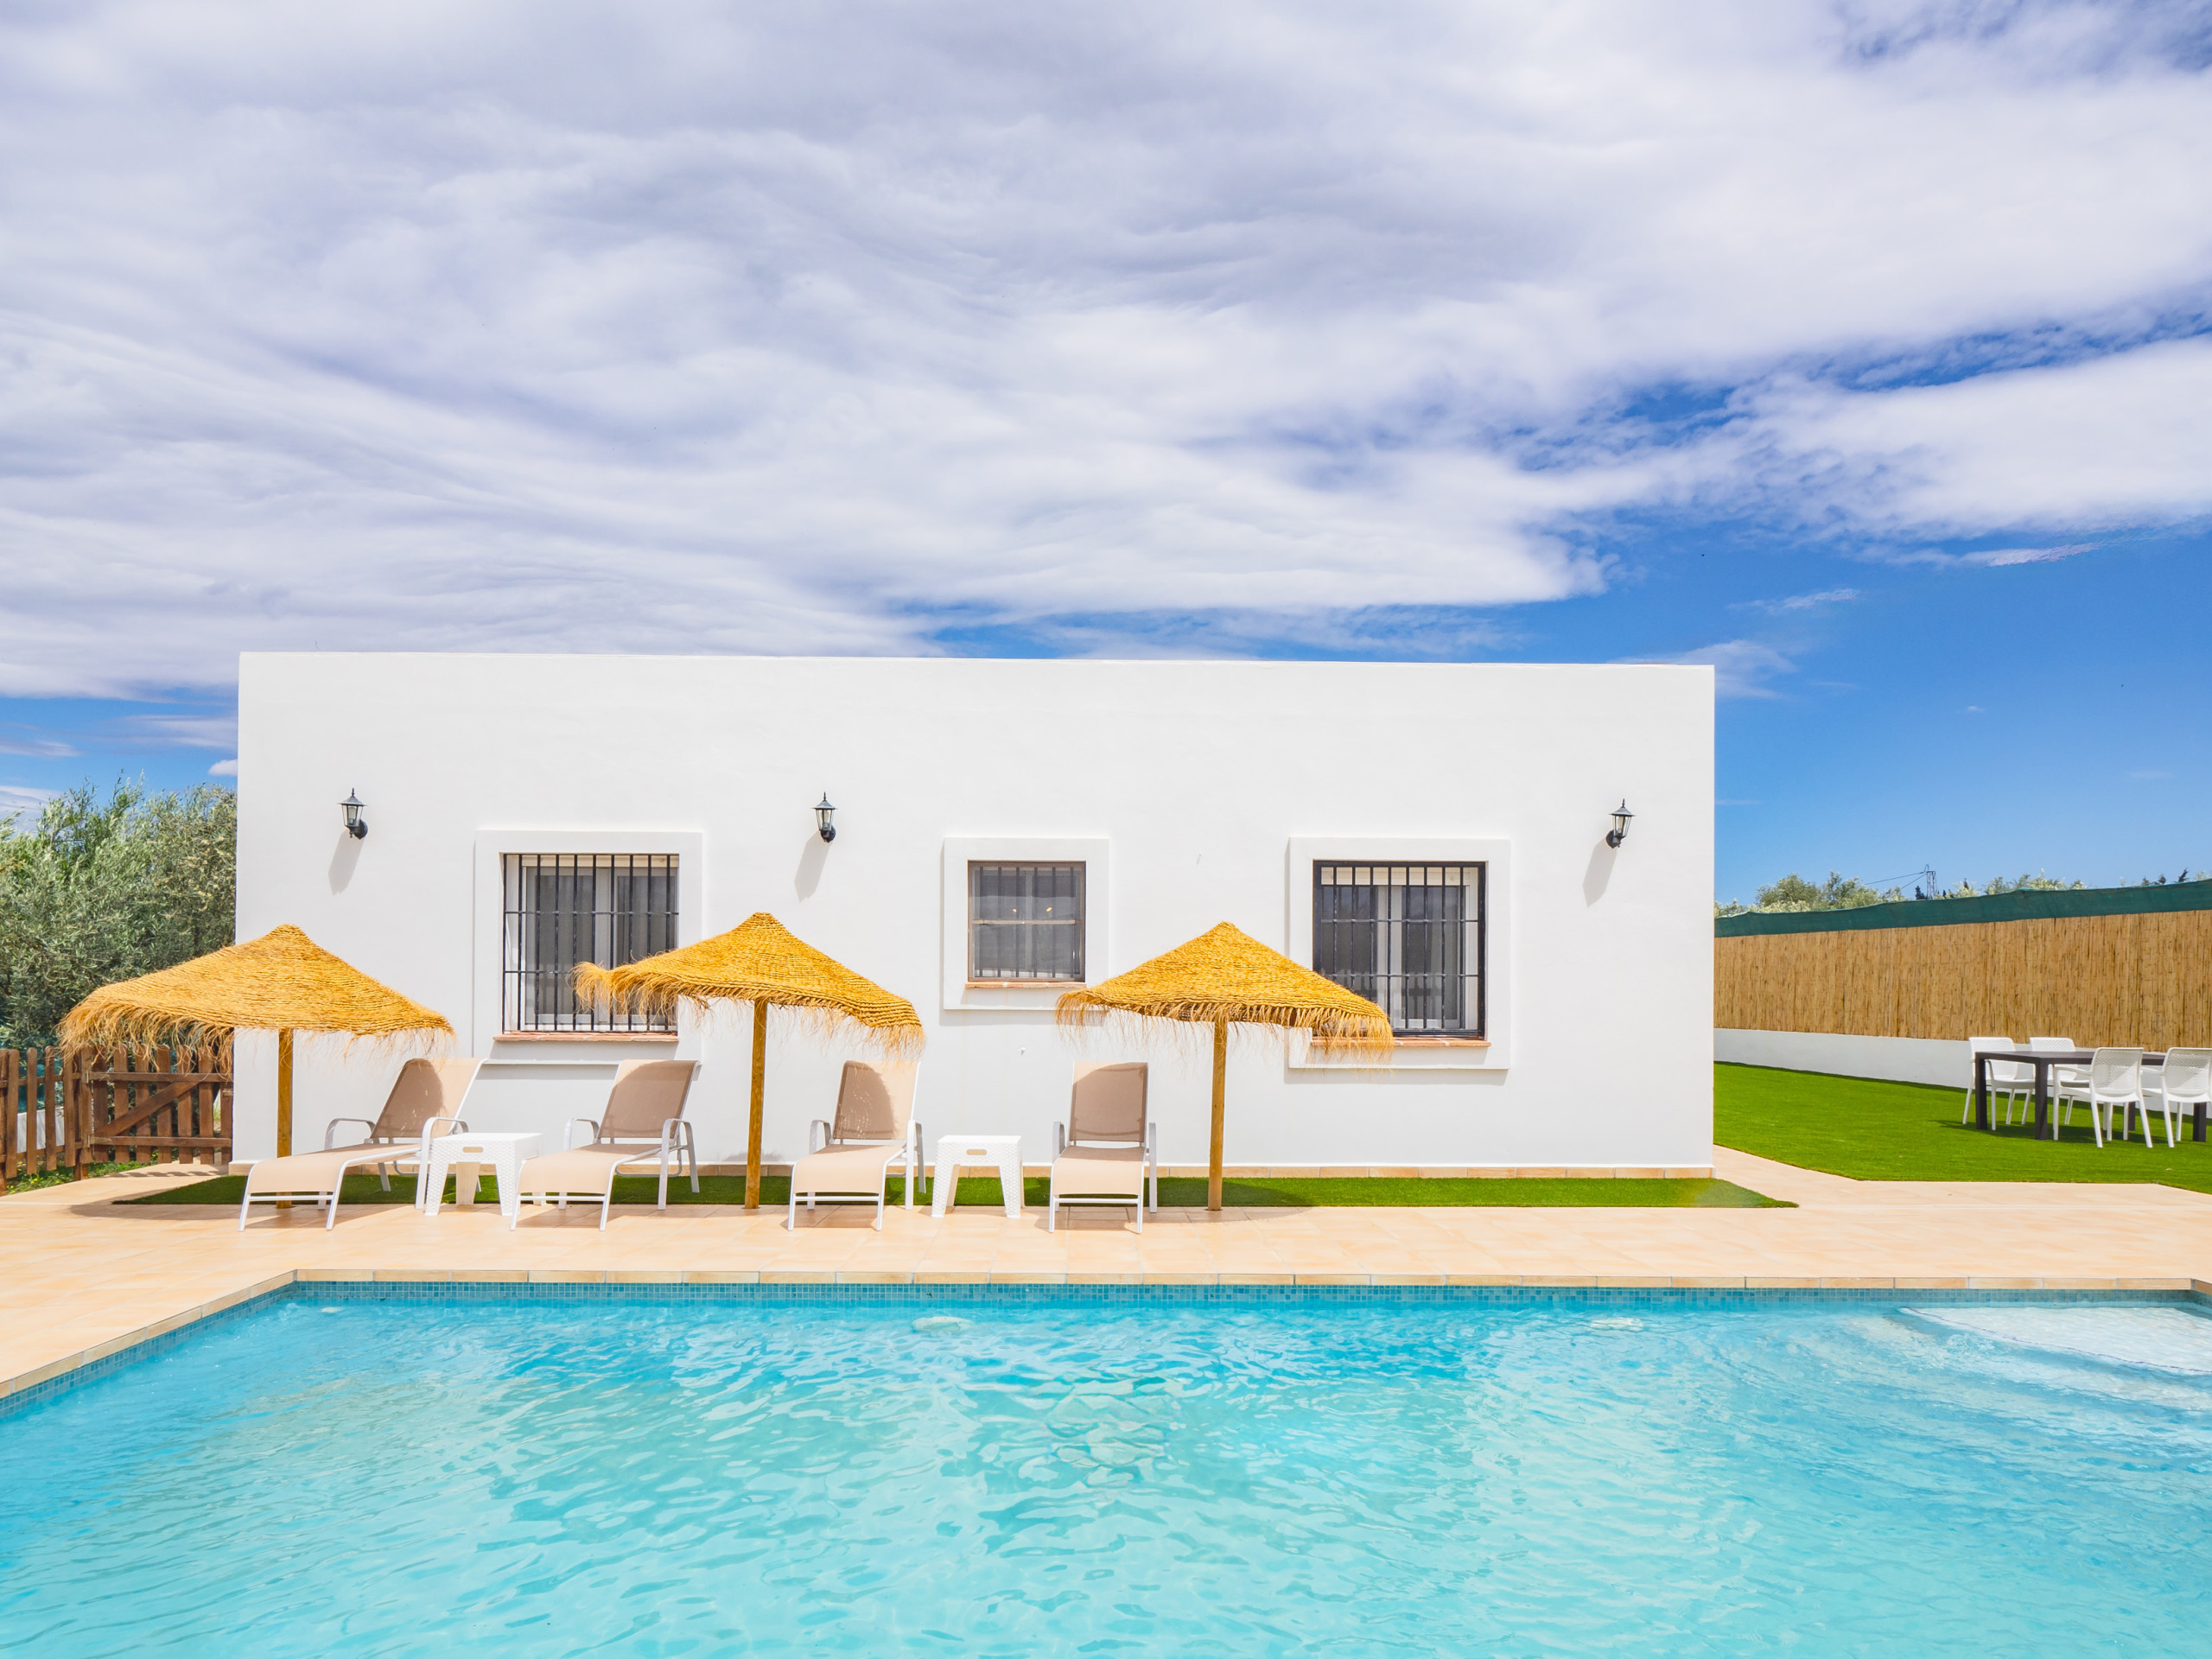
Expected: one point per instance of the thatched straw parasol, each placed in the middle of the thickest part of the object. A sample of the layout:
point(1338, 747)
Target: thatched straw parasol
point(282, 982)
point(759, 962)
point(1226, 977)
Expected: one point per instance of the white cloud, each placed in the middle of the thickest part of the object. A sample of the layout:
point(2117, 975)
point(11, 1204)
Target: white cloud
point(2113, 439)
point(1997, 557)
point(24, 740)
point(224, 768)
point(1800, 602)
point(18, 800)
point(180, 731)
point(1742, 668)
point(691, 328)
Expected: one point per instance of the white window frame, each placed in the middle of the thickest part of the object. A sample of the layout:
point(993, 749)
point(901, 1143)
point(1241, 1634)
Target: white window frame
point(487, 952)
point(958, 991)
point(1415, 1054)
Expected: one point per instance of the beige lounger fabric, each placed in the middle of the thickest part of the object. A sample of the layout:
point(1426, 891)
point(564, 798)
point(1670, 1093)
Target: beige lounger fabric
point(585, 1172)
point(1099, 1172)
point(870, 1132)
point(424, 1088)
point(1106, 1105)
point(319, 1171)
point(647, 1094)
point(846, 1170)
point(1108, 1102)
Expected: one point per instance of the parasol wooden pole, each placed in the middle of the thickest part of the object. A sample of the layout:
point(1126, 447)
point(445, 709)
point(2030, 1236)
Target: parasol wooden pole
point(759, 1077)
point(1220, 1095)
point(283, 1094)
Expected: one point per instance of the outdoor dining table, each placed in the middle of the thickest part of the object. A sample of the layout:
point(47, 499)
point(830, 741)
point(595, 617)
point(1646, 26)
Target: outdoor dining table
point(2042, 1059)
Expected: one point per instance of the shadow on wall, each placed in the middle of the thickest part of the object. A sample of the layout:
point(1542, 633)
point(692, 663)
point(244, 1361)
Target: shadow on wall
point(812, 857)
point(343, 860)
point(1599, 873)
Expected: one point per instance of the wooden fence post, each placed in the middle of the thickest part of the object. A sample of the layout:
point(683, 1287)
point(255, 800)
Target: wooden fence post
point(79, 1097)
point(8, 1065)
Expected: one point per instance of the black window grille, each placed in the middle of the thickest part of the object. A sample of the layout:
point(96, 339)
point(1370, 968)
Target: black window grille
point(1406, 937)
point(1025, 921)
point(566, 908)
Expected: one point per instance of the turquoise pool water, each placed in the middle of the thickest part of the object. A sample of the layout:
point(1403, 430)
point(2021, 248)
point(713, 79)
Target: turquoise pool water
point(1057, 1476)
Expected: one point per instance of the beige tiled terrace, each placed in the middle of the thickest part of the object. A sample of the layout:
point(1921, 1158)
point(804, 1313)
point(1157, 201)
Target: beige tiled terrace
point(88, 1275)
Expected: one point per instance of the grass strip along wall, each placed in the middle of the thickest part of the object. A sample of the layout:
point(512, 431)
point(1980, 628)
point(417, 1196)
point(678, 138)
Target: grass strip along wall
point(2127, 965)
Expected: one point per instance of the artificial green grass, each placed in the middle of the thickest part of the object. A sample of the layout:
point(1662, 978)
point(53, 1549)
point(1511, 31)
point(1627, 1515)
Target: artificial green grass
point(1874, 1131)
point(1175, 1193)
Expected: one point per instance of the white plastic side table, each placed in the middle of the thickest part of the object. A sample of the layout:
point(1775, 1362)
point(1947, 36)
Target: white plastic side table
point(954, 1150)
point(464, 1154)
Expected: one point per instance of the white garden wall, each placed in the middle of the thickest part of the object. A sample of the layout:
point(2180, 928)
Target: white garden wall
point(1200, 792)
point(1897, 1059)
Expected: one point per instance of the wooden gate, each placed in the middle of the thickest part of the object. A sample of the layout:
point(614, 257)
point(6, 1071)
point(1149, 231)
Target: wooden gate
point(64, 1109)
point(171, 1105)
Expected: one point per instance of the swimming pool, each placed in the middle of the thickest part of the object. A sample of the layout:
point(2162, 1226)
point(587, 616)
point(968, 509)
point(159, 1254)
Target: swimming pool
point(1057, 1473)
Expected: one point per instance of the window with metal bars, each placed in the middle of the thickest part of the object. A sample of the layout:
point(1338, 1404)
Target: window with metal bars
point(565, 908)
point(1025, 921)
point(1406, 937)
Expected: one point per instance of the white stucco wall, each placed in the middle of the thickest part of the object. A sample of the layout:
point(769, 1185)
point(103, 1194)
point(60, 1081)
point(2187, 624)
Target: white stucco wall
point(1897, 1059)
point(1201, 790)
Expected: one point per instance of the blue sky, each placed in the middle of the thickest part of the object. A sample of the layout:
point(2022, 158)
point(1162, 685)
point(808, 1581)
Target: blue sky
point(1864, 350)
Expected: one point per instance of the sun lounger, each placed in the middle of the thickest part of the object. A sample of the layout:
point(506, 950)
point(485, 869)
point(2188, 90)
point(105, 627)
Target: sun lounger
point(643, 1124)
point(874, 1128)
point(1105, 1151)
point(424, 1102)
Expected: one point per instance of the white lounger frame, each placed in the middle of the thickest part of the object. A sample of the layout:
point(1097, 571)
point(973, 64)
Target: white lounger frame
point(677, 1139)
point(383, 1155)
point(1054, 1200)
point(907, 1157)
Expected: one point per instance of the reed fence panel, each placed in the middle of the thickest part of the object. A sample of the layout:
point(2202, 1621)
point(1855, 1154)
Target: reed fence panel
point(2141, 979)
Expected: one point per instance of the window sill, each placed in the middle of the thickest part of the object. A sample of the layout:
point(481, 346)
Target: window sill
point(1027, 984)
point(1413, 1042)
point(585, 1036)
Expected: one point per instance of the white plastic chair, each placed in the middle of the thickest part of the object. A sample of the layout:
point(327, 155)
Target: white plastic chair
point(2069, 1084)
point(2011, 1079)
point(2116, 1081)
point(2182, 1084)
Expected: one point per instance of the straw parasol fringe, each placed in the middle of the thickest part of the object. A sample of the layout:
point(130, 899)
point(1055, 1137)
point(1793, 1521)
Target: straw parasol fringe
point(1225, 976)
point(1223, 979)
point(282, 982)
point(759, 962)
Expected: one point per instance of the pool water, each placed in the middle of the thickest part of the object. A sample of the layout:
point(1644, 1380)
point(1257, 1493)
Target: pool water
point(1060, 1476)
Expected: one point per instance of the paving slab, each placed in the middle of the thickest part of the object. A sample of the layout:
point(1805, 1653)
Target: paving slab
point(91, 1275)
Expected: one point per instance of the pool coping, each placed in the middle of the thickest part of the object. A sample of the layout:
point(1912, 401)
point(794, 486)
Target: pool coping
point(42, 1382)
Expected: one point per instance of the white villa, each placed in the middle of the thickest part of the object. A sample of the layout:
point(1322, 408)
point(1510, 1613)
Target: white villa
point(1432, 836)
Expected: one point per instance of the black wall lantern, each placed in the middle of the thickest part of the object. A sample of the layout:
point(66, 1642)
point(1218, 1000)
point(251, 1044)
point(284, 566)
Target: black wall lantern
point(1618, 833)
point(351, 808)
point(822, 815)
